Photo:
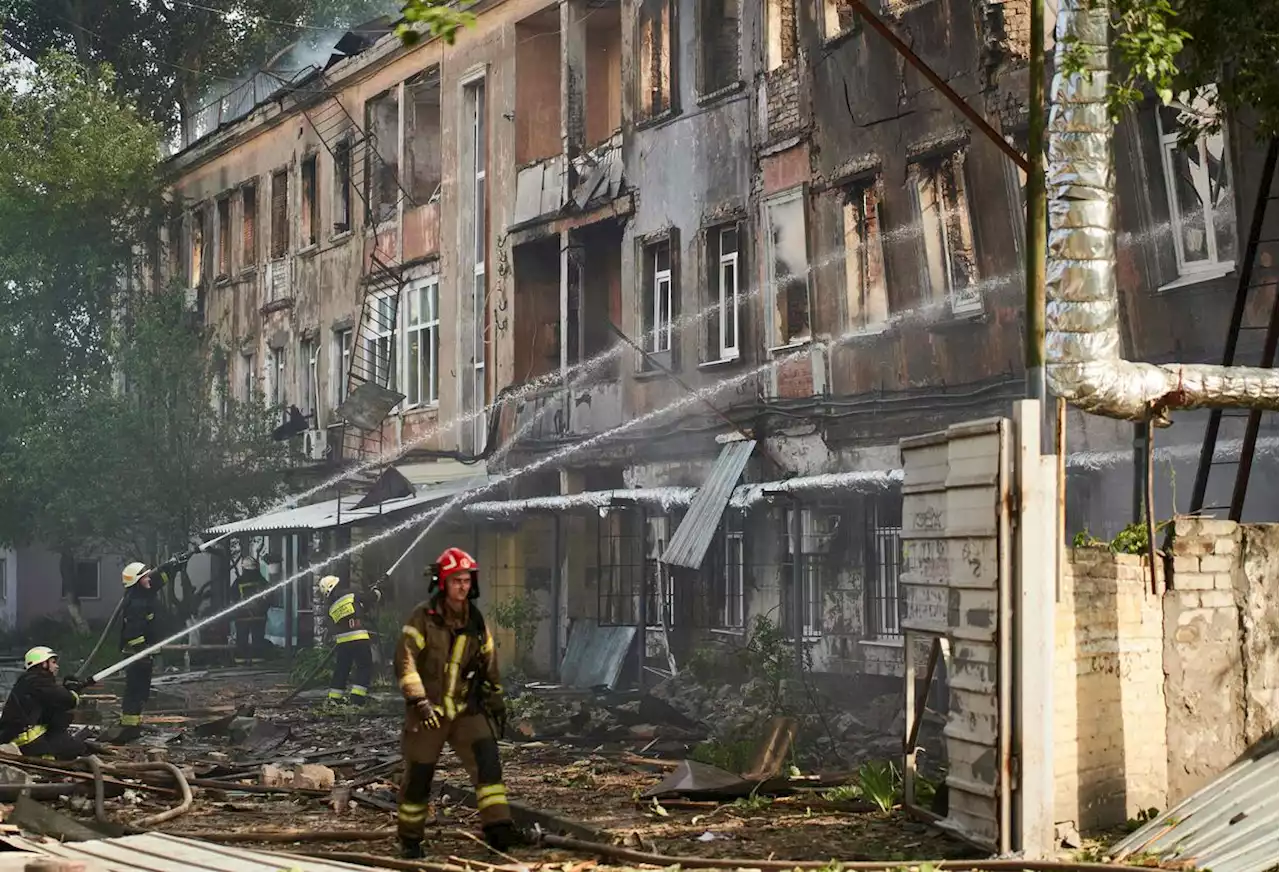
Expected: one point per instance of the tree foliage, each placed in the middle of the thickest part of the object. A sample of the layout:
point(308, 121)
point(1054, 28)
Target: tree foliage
point(167, 54)
point(436, 18)
point(1175, 47)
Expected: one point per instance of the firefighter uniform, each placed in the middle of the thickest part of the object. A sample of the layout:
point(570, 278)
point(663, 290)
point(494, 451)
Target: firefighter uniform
point(251, 620)
point(348, 610)
point(446, 665)
point(39, 710)
point(138, 631)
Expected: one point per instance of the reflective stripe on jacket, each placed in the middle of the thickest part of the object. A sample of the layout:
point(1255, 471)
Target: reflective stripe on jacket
point(436, 654)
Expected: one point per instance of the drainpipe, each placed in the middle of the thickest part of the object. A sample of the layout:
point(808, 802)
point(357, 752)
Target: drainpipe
point(1082, 345)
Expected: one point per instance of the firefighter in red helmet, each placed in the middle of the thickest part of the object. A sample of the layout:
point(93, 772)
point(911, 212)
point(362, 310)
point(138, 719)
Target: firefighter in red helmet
point(448, 672)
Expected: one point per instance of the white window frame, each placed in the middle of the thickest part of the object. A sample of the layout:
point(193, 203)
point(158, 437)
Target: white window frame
point(729, 298)
point(780, 342)
point(733, 610)
point(382, 340)
point(1212, 267)
point(475, 108)
point(660, 336)
point(308, 378)
point(427, 295)
point(343, 344)
point(249, 363)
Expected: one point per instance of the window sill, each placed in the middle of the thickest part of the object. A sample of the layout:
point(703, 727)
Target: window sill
point(432, 409)
point(309, 250)
point(650, 374)
point(720, 363)
point(719, 93)
point(961, 321)
point(221, 280)
point(882, 642)
point(791, 347)
point(250, 271)
point(1200, 276)
point(836, 39)
point(339, 238)
point(658, 120)
point(277, 305)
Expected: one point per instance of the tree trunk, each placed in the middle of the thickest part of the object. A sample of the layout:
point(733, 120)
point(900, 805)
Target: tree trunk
point(67, 568)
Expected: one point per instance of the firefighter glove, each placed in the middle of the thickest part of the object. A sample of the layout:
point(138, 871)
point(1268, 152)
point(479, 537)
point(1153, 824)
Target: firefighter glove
point(431, 715)
point(497, 708)
point(76, 685)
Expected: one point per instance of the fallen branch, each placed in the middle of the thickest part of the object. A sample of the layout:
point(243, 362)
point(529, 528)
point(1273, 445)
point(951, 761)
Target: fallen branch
point(637, 760)
point(665, 860)
point(290, 835)
point(377, 862)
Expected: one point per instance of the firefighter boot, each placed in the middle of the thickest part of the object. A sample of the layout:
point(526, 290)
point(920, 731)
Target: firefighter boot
point(503, 835)
point(411, 849)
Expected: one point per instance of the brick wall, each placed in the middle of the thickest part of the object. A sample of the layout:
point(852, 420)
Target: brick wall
point(1109, 720)
point(783, 96)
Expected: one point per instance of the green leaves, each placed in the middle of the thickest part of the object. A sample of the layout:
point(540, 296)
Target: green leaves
point(435, 18)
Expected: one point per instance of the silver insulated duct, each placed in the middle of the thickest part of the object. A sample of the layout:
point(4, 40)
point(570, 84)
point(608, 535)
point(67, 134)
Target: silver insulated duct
point(1082, 334)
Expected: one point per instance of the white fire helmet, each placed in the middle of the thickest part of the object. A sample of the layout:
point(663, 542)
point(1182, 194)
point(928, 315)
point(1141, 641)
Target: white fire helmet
point(328, 583)
point(132, 573)
point(38, 655)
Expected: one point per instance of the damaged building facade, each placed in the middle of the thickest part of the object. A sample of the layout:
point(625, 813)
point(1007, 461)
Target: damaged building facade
point(680, 274)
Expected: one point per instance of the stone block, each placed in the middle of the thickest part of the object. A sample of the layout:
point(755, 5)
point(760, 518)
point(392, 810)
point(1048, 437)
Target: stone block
point(1129, 559)
point(1193, 580)
point(272, 775)
point(1191, 546)
point(1186, 564)
point(1217, 599)
point(1217, 563)
point(1214, 527)
point(1224, 580)
point(1185, 526)
point(1226, 545)
point(313, 776)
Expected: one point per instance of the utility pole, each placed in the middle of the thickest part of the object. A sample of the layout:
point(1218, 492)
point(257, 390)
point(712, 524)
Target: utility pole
point(1037, 215)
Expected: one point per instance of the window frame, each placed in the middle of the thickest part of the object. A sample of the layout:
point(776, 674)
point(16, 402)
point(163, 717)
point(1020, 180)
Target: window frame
point(97, 575)
point(708, 90)
point(427, 291)
point(382, 339)
point(1169, 144)
point(309, 202)
point(717, 349)
point(341, 201)
point(475, 130)
point(199, 253)
point(932, 168)
point(777, 340)
point(277, 365)
point(732, 613)
point(222, 244)
point(646, 114)
point(280, 236)
point(649, 300)
point(340, 363)
point(854, 197)
point(249, 363)
point(249, 224)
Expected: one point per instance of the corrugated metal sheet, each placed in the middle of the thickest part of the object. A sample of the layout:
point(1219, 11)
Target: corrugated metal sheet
point(156, 852)
point(324, 515)
point(1231, 824)
point(595, 654)
point(689, 545)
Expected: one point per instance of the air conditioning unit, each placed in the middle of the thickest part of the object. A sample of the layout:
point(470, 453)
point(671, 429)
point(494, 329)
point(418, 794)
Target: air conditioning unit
point(316, 444)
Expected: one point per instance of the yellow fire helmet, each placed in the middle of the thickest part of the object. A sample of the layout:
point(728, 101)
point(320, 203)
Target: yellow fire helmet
point(37, 655)
point(328, 583)
point(132, 573)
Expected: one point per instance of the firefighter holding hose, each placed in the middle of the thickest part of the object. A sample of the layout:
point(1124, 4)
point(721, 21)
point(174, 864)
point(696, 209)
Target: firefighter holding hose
point(448, 672)
point(348, 610)
point(137, 631)
point(38, 711)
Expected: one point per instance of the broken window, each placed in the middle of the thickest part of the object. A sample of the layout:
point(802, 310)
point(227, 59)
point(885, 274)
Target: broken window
point(884, 541)
point(660, 608)
point(342, 187)
point(724, 287)
point(422, 343)
point(788, 267)
point(249, 225)
point(653, 60)
point(176, 272)
point(310, 229)
point(950, 266)
point(197, 246)
point(86, 581)
point(422, 138)
point(308, 378)
point(224, 237)
point(838, 18)
point(248, 377)
point(780, 22)
point(276, 395)
point(866, 297)
point(280, 214)
point(658, 297)
point(341, 364)
point(1197, 181)
point(476, 150)
point(718, 54)
point(382, 122)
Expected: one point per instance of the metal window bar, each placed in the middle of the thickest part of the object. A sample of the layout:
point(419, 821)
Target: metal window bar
point(884, 540)
point(619, 567)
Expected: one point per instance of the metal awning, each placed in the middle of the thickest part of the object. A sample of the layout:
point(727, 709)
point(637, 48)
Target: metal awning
point(693, 537)
point(341, 512)
point(664, 499)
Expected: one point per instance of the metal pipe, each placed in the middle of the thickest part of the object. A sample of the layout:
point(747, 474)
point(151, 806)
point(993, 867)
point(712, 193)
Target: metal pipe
point(183, 788)
point(1245, 465)
point(1005, 639)
point(797, 581)
point(557, 587)
point(1036, 218)
point(1082, 342)
point(1150, 504)
point(1060, 522)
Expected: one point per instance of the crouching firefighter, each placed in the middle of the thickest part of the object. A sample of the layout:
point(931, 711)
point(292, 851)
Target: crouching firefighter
point(137, 631)
point(348, 611)
point(39, 710)
point(447, 668)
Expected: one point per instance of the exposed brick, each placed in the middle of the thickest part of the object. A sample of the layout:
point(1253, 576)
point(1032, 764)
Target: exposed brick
point(1214, 527)
point(1215, 563)
point(1193, 580)
point(1186, 564)
point(1217, 599)
point(1225, 545)
point(1191, 546)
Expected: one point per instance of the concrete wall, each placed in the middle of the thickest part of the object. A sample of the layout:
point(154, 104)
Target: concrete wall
point(1109, 691)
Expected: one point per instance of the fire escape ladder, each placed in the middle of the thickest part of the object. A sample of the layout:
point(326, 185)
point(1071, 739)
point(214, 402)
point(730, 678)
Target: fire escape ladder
point(372, 356)
point(1259, 253)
